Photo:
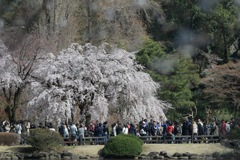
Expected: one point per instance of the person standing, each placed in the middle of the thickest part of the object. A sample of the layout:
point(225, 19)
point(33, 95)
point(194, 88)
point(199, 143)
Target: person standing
point(185, 127)
point(81, 134)
point(200, 127)
point(232, 123)
point(65, 132)
point(73, 132)
point(18, 128)
point(177, 129)
point(61, 129)
point(6, 126)
point(195, 129)
point(27, 126)
point(164, 130)
point(100, 132)
point(105, 131)
point(170, 130)
point(132, 129)
point(91, 129)
point(228, 127)
point(223, 130)
point(143, 129)
point(119, 129)
point(114, 129)
point(125, 129)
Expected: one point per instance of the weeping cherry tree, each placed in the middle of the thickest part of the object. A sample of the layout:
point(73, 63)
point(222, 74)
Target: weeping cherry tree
point(96, 81)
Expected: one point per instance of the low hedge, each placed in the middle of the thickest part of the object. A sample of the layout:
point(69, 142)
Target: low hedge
point(234, 134)
point(132, 136)
point(122, 146)
point(44, 139)
point(9, 138)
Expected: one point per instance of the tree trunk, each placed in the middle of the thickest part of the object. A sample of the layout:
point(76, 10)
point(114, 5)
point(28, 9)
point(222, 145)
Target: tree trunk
point(11, 113)
point(13, 102)
point(225, 48)
point(89, 17)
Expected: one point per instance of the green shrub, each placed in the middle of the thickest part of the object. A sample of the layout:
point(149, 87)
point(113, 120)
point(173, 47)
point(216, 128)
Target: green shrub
point(44, 139)
point(234, 134)
point(132, 136)
point(123, 146)
point(9, 138)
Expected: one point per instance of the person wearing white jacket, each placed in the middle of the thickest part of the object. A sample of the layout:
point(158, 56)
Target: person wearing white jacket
point(18, 128)
point(195, 128)
point(228, 128)
point(114, 131)
point(125, 129)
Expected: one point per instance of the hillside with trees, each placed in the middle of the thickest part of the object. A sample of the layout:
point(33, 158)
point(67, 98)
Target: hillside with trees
point(190, 48)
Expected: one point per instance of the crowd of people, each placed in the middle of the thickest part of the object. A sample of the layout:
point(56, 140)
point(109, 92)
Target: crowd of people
point(18, 127)
point(147, 128)
point(77, 131)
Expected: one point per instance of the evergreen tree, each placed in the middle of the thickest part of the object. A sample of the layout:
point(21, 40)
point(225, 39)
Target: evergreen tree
point(223, 27)
point(176, 73)
point(211, 26)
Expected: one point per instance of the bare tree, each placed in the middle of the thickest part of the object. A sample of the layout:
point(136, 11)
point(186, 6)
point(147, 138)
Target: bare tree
point(18, 64)
point(116, 22)
point(221, 86)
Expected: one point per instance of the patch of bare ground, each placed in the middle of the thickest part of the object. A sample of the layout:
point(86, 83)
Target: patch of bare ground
point(147, 148)
point(16, 148)
point(91, 150)
point(94, 150)
point(182, 148)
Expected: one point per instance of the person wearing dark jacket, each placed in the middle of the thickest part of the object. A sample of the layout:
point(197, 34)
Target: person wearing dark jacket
point(61, 129)
point(119, 129)
point(200, 127)
point(105, 131)
point(100, 130)
point(153, 128)
point(132, 129)
point(185, 127)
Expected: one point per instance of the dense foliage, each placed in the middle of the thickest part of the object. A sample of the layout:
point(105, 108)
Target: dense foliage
point(123, 146)
point(44, 139)
point(234, 134)
point(9, 9)
point(176, 73)
point(212, 26)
